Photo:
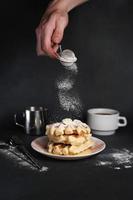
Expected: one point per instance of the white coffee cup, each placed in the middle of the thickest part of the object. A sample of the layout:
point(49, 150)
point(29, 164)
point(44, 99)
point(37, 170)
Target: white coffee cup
point(104, 121)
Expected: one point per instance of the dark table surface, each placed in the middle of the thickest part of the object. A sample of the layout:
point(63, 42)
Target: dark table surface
point(104, 29)
point(81, 179)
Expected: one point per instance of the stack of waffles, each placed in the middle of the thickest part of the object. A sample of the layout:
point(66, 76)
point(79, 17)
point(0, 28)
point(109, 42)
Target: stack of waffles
point(68, 137)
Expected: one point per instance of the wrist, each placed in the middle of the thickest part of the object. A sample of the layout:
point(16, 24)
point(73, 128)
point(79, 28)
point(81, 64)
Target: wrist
point(59, 5)
point(66, 5)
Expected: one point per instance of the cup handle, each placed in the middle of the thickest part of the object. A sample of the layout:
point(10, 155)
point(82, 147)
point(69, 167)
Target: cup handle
point(15, 119)
point(124, 121)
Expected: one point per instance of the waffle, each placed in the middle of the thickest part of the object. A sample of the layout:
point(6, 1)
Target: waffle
point(67, 127)
point(68, 137)
point(62, 149)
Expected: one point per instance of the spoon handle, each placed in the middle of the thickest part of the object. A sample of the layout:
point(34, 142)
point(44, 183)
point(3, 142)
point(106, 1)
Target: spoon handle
point(22, 158)
point(29, 156)
point(6, 147)
point(18, 144)
point(60, 49)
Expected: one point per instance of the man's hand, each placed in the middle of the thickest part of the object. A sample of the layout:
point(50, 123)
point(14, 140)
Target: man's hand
point(50, 32)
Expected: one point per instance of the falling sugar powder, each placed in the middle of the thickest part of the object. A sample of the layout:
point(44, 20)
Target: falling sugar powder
point(117, 159)
point(69, 103)
point(68, 98)
point(19, 159)
point(73, 68)
point(65, 84)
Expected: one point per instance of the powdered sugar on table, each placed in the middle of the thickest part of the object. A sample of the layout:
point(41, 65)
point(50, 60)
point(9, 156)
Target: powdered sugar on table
point(13, 155)
point(116, 159)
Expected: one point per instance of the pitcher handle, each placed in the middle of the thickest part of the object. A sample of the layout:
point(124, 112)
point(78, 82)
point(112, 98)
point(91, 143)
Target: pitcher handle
point(45, 116)
point(18, 124)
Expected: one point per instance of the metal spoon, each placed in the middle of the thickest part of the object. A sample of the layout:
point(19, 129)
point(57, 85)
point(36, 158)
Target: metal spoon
point(6, 146)
point(18, 144)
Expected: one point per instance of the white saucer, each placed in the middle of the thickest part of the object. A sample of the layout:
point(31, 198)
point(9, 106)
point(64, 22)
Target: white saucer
point(40, 145)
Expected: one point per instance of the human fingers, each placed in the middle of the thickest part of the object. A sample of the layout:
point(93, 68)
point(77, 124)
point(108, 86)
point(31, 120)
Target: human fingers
point(39, 50)
point(55, 48)
point(59, 31)
point(46, 35)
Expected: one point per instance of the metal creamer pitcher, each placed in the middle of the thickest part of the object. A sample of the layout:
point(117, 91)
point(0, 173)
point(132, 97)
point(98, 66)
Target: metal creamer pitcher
point(35, 119)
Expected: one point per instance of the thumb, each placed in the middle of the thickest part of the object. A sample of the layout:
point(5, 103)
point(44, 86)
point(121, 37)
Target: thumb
point(58, 33)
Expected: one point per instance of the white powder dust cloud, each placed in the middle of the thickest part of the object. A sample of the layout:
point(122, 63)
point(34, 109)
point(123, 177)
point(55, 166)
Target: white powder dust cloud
point(69, 99)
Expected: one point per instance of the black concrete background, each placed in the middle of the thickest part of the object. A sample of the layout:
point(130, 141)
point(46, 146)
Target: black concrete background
point(80, 179)
point(100, 33)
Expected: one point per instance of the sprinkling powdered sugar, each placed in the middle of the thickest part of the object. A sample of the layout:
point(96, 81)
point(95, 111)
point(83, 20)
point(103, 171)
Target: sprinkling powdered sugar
point(117, 159)
point(69, 103)
point(65, 84)
point(68, 98)
point(19, 159)
point(73, 68)
point(66, 57)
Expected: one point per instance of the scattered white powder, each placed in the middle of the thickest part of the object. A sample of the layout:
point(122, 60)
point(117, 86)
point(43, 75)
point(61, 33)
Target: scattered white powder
point(65, 84)
point(43, 169)
point(128, 166)
point(68, 98)
point(123, 157)
point(19, 159)
point(73, 68)
point(117, 168)
point(104, 163)
point(117, 159)
point(69, 103)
